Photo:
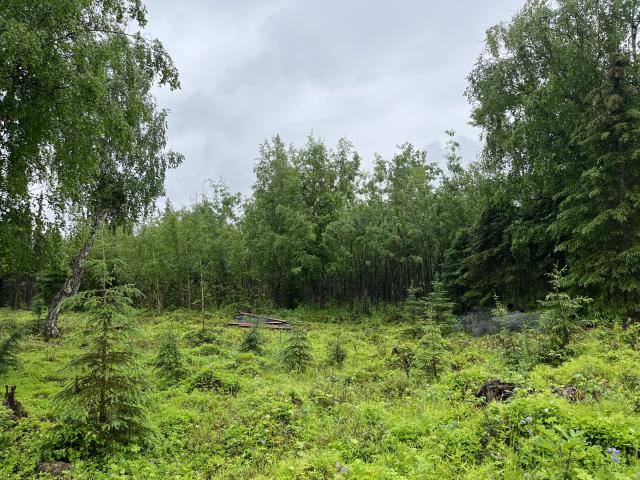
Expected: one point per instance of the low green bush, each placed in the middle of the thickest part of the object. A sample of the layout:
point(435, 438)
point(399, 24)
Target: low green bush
point(210, 380)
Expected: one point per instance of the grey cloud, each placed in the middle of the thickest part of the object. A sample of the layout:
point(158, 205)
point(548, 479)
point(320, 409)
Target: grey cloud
point(379, 73)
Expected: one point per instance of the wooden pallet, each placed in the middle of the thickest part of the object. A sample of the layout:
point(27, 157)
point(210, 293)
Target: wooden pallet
point(248, 320)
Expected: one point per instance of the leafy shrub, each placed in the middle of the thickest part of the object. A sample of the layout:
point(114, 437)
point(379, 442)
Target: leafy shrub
point(323, 396)
point(203, 336)
point(314, 466)
point(464, 383)
point(367, 433)
point(403, 357)
point(396, 386)
point(521, 350)
point(266, 426)
point(210, 380)
point(207, 349)
point(5, 423)
point(631, 336)
point(246, 364)
point(559, 441)
point(413, 332)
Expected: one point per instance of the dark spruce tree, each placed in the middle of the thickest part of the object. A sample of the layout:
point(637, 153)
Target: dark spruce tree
point(558, 129)
point(600, 213)
point(104, 399)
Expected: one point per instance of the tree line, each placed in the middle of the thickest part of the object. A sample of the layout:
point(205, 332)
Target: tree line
point(317, 229)
point(555, 93)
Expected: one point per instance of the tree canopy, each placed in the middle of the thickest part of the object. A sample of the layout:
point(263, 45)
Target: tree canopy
point(79, 127)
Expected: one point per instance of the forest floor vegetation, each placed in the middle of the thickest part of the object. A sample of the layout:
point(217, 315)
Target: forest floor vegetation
point(229, 407)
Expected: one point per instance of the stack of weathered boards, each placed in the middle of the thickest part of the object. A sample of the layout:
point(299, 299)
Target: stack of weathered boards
point(247, 320)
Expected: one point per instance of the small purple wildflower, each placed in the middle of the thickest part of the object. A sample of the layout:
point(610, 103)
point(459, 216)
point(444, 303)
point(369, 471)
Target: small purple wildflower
point(529, 419)
point(615, 454)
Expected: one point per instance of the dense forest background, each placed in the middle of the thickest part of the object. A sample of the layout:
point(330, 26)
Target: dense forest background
point(555, 92)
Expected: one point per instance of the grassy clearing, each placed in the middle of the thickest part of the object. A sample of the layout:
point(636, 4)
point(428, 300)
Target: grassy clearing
point(241, 415)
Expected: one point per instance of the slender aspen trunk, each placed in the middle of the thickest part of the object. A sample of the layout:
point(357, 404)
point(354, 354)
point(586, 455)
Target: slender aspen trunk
point(634, 38)
point(158, 298)
point(103, 351)
point(201, 296)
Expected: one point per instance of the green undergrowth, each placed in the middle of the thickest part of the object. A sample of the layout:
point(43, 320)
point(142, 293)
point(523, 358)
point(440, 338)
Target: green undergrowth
point(235, 414)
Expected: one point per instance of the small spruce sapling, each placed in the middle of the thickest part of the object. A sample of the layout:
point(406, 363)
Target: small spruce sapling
point(296, 355)
point(253, 341)
point(413, 308)
point(413, 313)
point(561, 318)
point(431, 351)
point(39, 310)
point(169, 361)
point(439, 309)
point(505, 334)
point(435, 307)
point(501, 314)
point(10, 335)
point(336, 352)
point(104, 400)
point(521, 349)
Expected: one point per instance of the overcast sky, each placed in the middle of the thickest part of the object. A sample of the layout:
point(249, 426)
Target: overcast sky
point(380, 73)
